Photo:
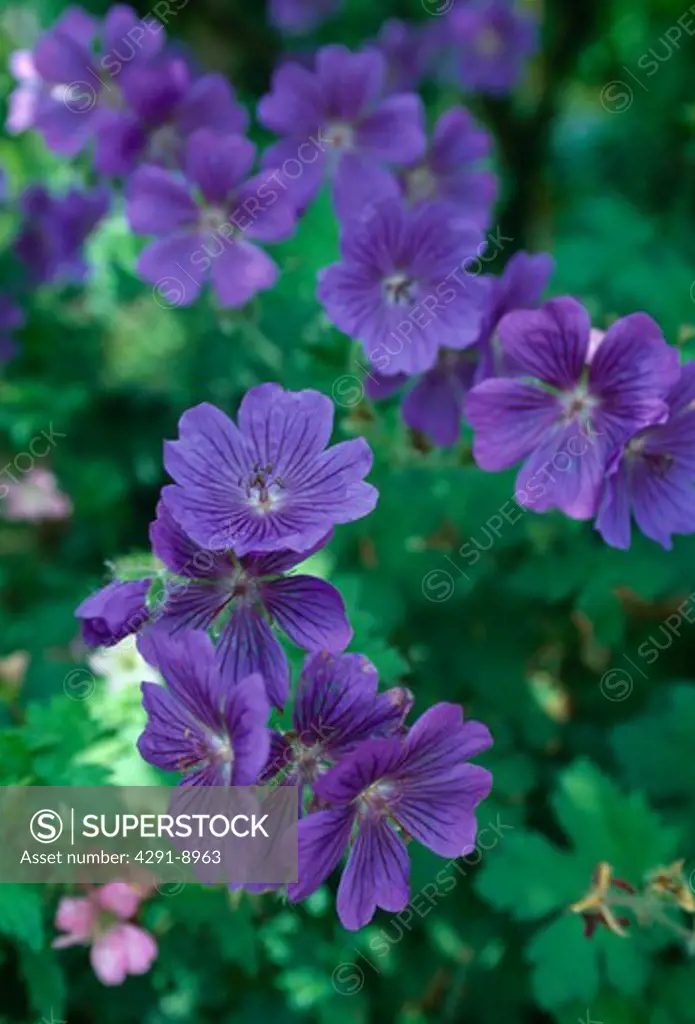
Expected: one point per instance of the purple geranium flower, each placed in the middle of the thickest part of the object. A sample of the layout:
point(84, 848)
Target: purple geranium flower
point(54, 230)
point(407, 49)
point(337, 706)
point(653, 476)
point(488, 43)
point(401, 288)
point(165, 104)
point(249, 593)
point(11, 319)
point(114, 612)
point(334, 120)
point(33, 94)
point(418, 786)
point(450, 172)
point(435, 403)
point(206, 228)
point(295, 17)
point(67, 91)
point(269, 483)
point(566, 417)
point(198, 725)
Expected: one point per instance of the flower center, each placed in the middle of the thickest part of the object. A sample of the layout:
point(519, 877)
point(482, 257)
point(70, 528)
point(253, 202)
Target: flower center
point(658, 463)
point(212, 218)
point(110, 95)
point(579, 404)
point(164, 145)
point(420, 183)
point(635, 448)
point(263, 490)
point(242, 585)
point(221, 751)
point(309, 762)
point(488, 42)
point(399, 289)
point(339, 135)
point(376, 799)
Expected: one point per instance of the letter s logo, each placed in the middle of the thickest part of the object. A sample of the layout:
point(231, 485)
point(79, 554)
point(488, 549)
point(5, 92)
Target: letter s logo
point(46, 826)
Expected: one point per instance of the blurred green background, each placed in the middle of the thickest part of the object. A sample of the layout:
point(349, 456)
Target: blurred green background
point(543, 638)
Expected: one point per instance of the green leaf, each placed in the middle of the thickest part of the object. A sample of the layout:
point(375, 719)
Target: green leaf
point(606, 824)
point(654, 750)
point(45, 981)
point(530, 877)
point(565, 964)
point(21, 915)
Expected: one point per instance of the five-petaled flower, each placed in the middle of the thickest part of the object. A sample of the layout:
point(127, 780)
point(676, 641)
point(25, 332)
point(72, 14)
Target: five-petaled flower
point(244, 596)
point(385, 791)
point(562, 410)
point(270, 483)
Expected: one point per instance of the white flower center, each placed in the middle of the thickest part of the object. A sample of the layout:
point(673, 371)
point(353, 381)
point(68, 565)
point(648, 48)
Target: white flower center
point(421, 183)
point(264, 491)
point(399, 289)
point(579, 404)
point(376, 799)
point(212, 218)
point(339, 135)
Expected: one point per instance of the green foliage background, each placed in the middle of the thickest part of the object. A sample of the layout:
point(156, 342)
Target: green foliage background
point(587, 766)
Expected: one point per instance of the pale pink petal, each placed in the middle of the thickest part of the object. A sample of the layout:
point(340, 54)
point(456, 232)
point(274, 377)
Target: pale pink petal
point(76, 915)
point(120, 898)
point(109, 957)
point(141, 949)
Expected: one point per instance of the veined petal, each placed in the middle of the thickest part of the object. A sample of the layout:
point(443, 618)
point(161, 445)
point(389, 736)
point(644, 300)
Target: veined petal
point(376, 875)
point(246, 715)
point(613, 518)
point(247, 647)
point(632, 372)
point(310, 611)
point(550, 343)
point(369, 762)
point(173, 739)
point(440, 740)
point(285, 428)
point(180, 553)
point(439, 812)
point(565, 472)
point(322, 840)
point(190, 671)
point(510, 420)
point(338, 705)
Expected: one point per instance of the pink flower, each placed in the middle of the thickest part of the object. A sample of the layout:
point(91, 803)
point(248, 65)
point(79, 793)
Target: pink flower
point(102, 919)
point(125, 949)
point(77, 918)
point(36, 497)
point(120, 898)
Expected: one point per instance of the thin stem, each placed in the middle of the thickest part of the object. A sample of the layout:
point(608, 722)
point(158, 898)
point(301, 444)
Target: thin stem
point(648, 909)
